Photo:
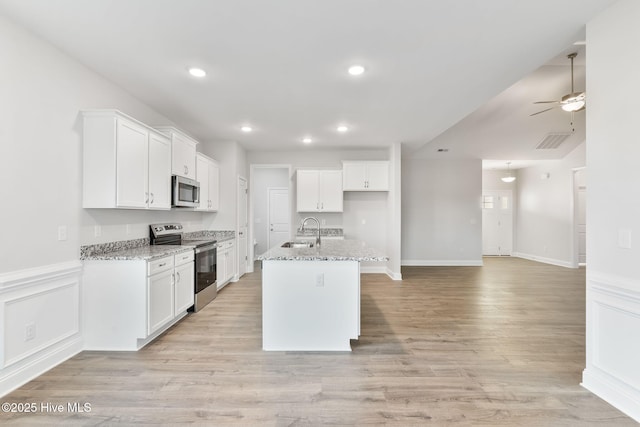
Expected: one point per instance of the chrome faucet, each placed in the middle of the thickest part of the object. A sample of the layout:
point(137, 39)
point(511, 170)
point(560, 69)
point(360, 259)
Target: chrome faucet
point(317, 222)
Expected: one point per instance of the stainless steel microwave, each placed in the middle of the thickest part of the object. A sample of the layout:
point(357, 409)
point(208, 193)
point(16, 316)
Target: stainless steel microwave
point(185, 192)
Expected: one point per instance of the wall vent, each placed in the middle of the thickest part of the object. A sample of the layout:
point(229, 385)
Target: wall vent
point(553, 141)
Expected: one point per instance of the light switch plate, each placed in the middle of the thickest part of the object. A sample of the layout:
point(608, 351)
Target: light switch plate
point(62, 233)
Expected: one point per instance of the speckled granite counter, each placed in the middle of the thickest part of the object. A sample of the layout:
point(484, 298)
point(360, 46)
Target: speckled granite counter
point(324, 232)
point(146, 253)
point(139, 249)
point(329, 250)
point(219, 235)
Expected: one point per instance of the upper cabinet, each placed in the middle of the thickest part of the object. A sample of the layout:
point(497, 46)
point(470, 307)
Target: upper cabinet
point(319, 191)
point(183, 152)
point(365, 175)
point(126, 164)
point(208, 175)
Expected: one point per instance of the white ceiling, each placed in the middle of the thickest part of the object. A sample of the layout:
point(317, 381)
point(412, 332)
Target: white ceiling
point(457, 74)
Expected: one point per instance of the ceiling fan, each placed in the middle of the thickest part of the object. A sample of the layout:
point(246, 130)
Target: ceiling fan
point(572, 102)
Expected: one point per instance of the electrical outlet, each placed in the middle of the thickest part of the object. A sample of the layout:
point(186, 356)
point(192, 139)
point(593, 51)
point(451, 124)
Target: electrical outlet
point(323, 222)
point(97, 231)
point(62, 232)
point(320, 280)
point(29, 331)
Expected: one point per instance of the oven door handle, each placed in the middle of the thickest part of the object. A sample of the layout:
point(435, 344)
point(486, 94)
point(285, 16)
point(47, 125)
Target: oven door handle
point(206, 248)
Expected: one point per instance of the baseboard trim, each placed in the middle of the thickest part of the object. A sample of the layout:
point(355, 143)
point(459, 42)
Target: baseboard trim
point(552, 261)
point(393, 275)
point(610, 390)
point(373, 269)
point(442, 263)
point(18, 375)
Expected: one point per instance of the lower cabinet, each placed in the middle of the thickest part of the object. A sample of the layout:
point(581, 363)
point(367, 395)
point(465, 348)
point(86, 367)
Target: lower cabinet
point(126, 304)
point(226, 262)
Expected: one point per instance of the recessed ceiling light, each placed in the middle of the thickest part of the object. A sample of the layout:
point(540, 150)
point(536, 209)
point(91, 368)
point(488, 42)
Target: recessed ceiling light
point(246, 128)
point(342, 128)
point(356, 70)
point(307, 140)
point(197, 72)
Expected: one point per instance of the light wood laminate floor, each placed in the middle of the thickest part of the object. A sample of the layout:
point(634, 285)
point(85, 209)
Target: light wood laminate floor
point(499, 345)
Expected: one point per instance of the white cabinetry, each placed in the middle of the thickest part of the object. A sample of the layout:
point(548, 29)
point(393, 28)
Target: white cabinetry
point(160, 295)
point(159, 171)
point(184, 288)
point(365, 176)
point(183, 152)
point(126, 164)
point(319, 191)
point(126, 304)
point(226, 262)
point(208, 175)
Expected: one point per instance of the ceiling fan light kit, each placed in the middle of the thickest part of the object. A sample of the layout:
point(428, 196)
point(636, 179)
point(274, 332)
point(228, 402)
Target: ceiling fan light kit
point(572, 102)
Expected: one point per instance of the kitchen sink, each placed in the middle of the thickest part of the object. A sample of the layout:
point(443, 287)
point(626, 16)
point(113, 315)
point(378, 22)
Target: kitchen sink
point(297, 245)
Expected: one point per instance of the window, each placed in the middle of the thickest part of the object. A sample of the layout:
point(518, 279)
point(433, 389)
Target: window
point(487, 202)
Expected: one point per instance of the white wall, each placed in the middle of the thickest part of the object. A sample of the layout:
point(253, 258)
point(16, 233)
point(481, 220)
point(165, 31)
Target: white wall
point(232, 161)
point(43, 91)
point(613, 207)
point(441, 215)
point(394, 212)
point(262, 179)
point(544, 212)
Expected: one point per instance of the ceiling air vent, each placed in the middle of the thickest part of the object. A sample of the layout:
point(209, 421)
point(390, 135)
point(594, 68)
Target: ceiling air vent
point(553, 141)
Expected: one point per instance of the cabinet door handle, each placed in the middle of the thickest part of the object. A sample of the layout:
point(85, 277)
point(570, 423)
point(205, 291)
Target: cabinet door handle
point(318, 206)
point(178, 276)
point(146, 197)
point(152, 198)
point(322, 205)
point(162, 265)
point(186, 170)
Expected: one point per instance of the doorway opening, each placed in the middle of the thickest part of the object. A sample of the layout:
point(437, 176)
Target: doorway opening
point(270, 207)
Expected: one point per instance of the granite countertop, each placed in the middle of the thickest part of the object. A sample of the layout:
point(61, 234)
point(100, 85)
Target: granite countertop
point(144, 253)
point(324, 232)
point(329, 250)
point(139, 249)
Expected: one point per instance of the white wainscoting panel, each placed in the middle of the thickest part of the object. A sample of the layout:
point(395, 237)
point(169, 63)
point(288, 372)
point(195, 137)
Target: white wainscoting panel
point(40, 311)
point(613, 343)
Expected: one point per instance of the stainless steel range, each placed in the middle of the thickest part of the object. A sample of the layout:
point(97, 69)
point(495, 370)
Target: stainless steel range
point(206, 286)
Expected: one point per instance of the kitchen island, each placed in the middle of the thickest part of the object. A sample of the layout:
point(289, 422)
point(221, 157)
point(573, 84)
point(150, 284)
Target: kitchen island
point(311, 296)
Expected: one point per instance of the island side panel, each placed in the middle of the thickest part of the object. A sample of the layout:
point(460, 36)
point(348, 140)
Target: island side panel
point(310, 305)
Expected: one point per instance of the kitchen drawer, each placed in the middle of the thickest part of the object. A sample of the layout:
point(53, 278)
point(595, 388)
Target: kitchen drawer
point(225, 245)
point(159, 265)
point(184, 257)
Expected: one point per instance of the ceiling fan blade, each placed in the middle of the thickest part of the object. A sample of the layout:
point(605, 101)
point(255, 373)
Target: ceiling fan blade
point(535, 114)
point(547, 102)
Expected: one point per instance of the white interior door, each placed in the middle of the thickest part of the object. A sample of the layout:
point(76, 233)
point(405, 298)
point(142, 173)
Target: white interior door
point(279, 216)
point(580, 182)
point(497, 222)
point(243, 224)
